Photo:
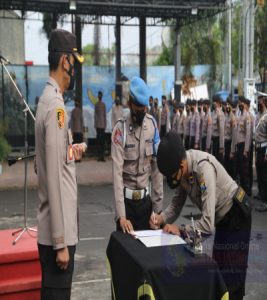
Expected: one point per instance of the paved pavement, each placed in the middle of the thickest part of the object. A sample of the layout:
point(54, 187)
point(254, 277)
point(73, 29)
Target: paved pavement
point(91, 278)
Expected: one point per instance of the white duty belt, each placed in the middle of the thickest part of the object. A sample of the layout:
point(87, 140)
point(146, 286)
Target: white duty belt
point(135, 194)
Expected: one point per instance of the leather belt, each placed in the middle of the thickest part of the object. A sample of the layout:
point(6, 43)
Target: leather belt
point(135, 194)
point(261, 145)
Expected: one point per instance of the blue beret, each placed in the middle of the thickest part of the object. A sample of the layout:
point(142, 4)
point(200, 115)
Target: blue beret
point(139, 91)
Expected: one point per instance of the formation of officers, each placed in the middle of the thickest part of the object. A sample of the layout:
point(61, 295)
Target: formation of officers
point(230, 132)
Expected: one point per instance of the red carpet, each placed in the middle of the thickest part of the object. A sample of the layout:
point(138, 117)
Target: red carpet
point(20, 272)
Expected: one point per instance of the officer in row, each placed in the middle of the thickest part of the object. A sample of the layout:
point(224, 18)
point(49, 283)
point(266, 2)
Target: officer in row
point(194, 126)
point(230, 139)
point(261, 152)
point(206, 126)
point(187, 124)
point(217, 128)
point(55, 156)
point(224, 206)
point(135, 140)
point(243, 145)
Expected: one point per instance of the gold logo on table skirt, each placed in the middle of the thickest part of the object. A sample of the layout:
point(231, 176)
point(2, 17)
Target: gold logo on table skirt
point(60, 117)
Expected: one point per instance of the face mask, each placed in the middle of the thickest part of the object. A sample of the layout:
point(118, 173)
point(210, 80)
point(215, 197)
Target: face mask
point(205, 109)
point(174, 111)
point(156, 105)
point(138, 117)
point(117, 102)
point(72, 76)
point(192, 109)
point(199, 109)
point(241, 107)
point(223, 109)
point(187, 110)
point(213, 107)
point(228, 109)
point(180, 111)
point(174, 183)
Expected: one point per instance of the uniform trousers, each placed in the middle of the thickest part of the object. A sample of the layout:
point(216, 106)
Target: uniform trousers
point(203, 143)
point(230, 250)
point(261, 166)
point(138, 212)
point(242, 168)
point(229, 164)
point(192, 142)
point(77, 137)
point(100, 136)
point(56, 283)
point(163, 131)
point(216, 148)
point(187, 142)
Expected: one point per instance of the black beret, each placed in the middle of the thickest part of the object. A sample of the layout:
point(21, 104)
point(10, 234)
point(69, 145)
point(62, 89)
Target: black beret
point(200, 102)
point(170, 154)
point(188, 101)
point(194, 102)
point(181, 105)
point(216, 98)
point(206, 101)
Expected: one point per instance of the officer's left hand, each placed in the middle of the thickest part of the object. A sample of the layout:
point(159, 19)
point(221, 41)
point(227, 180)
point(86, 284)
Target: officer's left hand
point(172, 228)
point(77, 151)
point(245, 154)
point(221, 150)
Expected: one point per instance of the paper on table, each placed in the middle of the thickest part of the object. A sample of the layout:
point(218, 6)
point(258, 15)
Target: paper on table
point(164, 239)
point(142, 233)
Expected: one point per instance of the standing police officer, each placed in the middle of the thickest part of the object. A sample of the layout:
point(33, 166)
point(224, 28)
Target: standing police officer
point(217, 128)
point(194, 126)
point(261, 153)
point(230, 139)
point(57, 186)
point(243, 146)
point(223, 204)
point(135, 141)
point(187, 125)
point(206, 126)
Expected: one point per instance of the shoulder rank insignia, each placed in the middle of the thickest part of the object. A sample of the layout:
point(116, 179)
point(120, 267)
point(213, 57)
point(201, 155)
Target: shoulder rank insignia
point(202, 184)
point(60, 117)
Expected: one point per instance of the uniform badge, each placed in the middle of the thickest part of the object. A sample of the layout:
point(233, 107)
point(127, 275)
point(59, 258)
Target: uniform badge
point(202, 184)
point(70, 152)
point(117, 139)
point(60, 117)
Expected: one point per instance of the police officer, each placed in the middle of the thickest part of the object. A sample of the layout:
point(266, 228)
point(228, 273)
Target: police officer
point(164, 118)
point(206, 126)
point(243, 146)
point(134, 145)
point(230, 139)
point(217, 128)
point(175, 118)
point(55, 156)
point(187, 124)
point(261, 152)
point(223, 204)
point(181, 120)
point(194, 126)
point(77, 124)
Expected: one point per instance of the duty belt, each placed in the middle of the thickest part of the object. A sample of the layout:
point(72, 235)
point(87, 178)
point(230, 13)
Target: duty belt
point(135, 194)
point(261, 145)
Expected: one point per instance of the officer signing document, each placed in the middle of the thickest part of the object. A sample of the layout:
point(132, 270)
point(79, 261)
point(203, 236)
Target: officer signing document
point(135, 140)
point(224, 206)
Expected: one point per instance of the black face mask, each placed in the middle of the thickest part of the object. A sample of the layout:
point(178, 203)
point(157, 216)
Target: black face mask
point(173, 183)
point(192, 109)
point(260, 108)
point(156, 105)
point(205, 109)
point(180, 111)
point(241, 107)
point(117, 102)
point(187, 111)
point(138, 117)
point(72, 76)
point(163, 104)
point(223, 109)
point(213, 107)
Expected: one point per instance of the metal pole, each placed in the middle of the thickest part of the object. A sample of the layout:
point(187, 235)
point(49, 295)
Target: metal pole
point(118, 57)
point(229, 14)
point(142, 41)
point(177, 63)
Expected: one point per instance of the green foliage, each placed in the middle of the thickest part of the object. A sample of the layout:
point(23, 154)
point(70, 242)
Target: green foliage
point(166, 57)
point(106, 55)
point(4, 147)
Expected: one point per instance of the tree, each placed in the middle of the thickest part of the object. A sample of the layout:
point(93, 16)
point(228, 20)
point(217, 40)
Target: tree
point(261, 43)
point(106, 55)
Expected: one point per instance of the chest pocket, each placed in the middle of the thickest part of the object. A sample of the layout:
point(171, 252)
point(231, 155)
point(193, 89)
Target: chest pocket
point(131, 150)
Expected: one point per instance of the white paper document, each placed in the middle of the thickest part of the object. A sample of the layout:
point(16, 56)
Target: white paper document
point(157, 238)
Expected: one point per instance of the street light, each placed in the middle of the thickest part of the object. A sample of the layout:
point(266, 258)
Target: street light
point(72, 4)
point(194, 11)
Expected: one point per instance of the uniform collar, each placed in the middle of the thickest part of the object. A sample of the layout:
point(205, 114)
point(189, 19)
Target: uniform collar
point(189, 161)
point(51, 81)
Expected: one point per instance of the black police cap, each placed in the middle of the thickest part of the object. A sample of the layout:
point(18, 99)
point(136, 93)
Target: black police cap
point(170, 154)
point(62, 41)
